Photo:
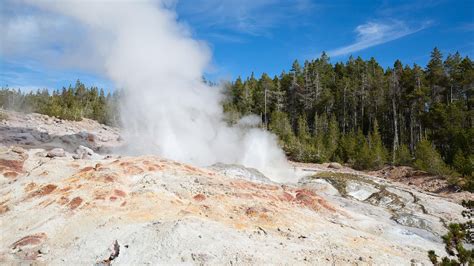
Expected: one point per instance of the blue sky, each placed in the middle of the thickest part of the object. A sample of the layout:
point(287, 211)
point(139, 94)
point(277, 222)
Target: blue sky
point(268, 35)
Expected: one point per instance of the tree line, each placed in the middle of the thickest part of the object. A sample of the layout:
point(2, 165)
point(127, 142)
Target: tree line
point(72, 103)
point(366, 116)
point(357, 112)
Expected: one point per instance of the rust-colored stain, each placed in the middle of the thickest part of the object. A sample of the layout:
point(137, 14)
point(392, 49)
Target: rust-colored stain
point(253, 186)
point(46, 203)
point(12, 165)
point(90, 138)
point(100, 194)
point(326, 205)
point(309, 199)
point(74, 203)
point(63, 200)
point(120, 193)
point(4, 209)
point(251, 212)
point(45, 190)
point(113, 198)
point(30, 240)
point(65, 189)
point(87, 169)
point(30, 187)
point(243, 195)
point(199, 197)
point(285, 196)
point(10, 174)
point(124, 164)
point(123, 203)
point(192, 169)
point(133, 170)
point(110, 178)
point(74, 165)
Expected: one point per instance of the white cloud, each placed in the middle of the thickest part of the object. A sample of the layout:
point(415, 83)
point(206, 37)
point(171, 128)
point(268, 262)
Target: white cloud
point(31, 33)
point(374, 33)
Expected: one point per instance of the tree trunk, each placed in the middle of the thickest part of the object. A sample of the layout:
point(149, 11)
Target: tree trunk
point(265, 109)
point(395, 128)
point(344, 111)
point(412, 122)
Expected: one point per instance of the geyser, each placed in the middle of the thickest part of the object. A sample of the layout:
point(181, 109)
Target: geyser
point(166, 108)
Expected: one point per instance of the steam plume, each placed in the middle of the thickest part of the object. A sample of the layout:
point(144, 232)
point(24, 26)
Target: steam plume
point(167, 109)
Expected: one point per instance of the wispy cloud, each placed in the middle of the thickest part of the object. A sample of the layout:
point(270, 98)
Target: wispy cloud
point(375, 33)
point(250, 17)
point(30, 75)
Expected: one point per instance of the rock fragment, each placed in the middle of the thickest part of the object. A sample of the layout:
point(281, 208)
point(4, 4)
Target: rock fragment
point(56, 152)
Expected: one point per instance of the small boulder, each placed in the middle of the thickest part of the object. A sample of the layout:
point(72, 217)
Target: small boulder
point(18, 149)
point(83, 152)
point(335, 166)
point(56, 152)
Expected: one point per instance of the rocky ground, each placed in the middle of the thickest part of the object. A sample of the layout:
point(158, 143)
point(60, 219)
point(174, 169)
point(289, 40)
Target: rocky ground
point(83, 204)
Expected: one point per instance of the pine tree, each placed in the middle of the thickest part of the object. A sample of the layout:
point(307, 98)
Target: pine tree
point(331, 139)
point(378, 152)
point(303, 130)
point(436, 75)
point(346, 150)
point(280, 125)
point(363, 155)
point(319, 134)
point(429, 160)
point(404, 156)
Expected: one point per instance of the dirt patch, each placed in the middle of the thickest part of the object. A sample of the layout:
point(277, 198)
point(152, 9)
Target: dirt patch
point(422, 180)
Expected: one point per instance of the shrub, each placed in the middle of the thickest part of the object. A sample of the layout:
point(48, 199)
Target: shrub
point(454, 240)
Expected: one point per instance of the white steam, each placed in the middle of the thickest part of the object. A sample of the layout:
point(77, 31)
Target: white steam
point(167, 109)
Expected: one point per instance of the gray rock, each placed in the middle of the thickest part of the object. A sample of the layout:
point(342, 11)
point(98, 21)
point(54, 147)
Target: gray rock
point(412, 220)
point(56, 152)
point(83, 152)
point(240, 172)
point(360, 191)
point(44, 249)
point(18, 149)
point(319, 185)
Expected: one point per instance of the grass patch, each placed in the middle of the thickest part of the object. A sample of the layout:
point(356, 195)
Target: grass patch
point(339, 180)
point(3, 116)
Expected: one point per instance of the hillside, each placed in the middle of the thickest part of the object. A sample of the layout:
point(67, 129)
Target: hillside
point(76, 205)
